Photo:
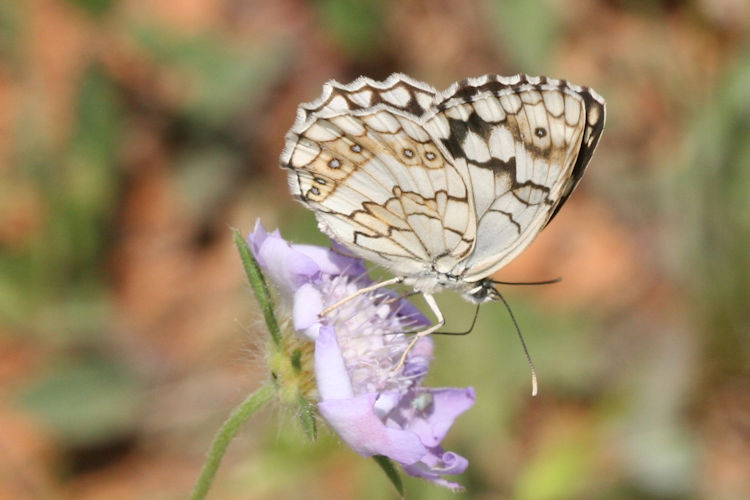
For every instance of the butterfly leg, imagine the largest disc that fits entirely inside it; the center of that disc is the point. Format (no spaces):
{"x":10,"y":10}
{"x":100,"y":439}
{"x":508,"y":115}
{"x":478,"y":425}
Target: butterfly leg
{"x":423,"y":333}
{"x":367,"y":289}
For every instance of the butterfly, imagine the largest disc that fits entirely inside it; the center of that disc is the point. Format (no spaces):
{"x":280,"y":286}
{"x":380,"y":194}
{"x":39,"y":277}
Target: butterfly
{"x":441,"y":188}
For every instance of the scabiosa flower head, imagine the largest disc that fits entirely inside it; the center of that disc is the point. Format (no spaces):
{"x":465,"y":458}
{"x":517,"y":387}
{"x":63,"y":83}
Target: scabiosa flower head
{"x":357,"y":346}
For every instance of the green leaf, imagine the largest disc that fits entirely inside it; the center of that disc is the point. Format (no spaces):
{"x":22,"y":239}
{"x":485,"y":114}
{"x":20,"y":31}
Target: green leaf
{"x":82,"y":210}
{"x":357,"y":25}
{"x":85,"y":402}
{"x":391,"y":472}
{"x":307,"y":417}
{"x":528,"y":30}
{"x":563,"y":468}
{"x":11,"y":35}
{"x":713,"y":206}
{"x":258,"y":283}
{"x":94,"y":7}
{"x":61,"y":265}
{"x":220,"y":78}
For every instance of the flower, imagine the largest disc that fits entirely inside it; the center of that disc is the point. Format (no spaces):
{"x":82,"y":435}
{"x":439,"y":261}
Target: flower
{"x":374,"y":408}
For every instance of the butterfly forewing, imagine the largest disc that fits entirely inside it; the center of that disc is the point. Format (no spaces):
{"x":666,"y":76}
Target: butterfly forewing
{"x":448,"y":185}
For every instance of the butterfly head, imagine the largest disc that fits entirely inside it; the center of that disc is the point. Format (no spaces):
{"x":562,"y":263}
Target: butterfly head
{"x":481,"y":292}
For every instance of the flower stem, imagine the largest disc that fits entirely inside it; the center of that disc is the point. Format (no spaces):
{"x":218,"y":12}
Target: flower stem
{"x":228,"y":430}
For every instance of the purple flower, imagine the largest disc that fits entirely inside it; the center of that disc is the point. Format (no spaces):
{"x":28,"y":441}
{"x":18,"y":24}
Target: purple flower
{"x":374,"y":409}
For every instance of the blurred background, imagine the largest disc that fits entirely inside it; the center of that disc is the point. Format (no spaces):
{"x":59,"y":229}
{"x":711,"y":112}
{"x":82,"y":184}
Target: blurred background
{"x":134,"y":135}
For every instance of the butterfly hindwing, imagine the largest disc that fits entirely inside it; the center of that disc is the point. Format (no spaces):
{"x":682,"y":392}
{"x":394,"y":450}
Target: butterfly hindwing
{"x":376,"y":180}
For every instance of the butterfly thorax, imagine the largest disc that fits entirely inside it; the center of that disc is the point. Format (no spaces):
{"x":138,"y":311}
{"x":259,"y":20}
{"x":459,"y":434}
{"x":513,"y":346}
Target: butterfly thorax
{"x":476,"y":292}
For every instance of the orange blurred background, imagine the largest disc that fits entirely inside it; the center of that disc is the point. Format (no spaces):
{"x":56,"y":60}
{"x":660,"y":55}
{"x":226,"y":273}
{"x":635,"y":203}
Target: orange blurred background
{"x":134,"y":135}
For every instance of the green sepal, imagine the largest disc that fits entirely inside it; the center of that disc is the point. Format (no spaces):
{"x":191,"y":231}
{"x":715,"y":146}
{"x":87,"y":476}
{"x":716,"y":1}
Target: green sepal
{"x":296,"y":360}
{"x":391,"y":472}
{"x":259,"y":285}
{"x":307,"y":417}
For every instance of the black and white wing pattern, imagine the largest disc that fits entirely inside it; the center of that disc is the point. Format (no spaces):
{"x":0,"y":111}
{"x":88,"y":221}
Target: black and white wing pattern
{"x":522,"y":144}
{"x":443,"y":189}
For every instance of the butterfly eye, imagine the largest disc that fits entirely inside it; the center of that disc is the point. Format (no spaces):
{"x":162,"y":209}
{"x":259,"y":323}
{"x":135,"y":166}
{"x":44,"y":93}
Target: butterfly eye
{"x":540,"y":132}
{"x":356,"y":148}
{"x":430,"y":155}
{"x":408,"y":153}
{"x":334,"y":163}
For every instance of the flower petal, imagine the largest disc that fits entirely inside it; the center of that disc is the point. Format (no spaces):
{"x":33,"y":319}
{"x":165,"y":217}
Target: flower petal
{"x":355,"y":421}
{"x":354,"y":418}
{"x":308,"y":302}
{"x":444,"y":463}
{"x":256,"y":239}
{"x":330,"y":370}
{"x":331,"y":262}
{"x":439,"y":461}
{"x":418,"y":360}
{"x":375,"y":410}
{"x":286,"y":267}
{"x":432,"y":424}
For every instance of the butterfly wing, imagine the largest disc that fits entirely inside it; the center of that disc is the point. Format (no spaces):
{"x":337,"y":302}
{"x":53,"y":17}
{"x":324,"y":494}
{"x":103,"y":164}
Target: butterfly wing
{"x":377,"y":181}
{"x":521,"y":144}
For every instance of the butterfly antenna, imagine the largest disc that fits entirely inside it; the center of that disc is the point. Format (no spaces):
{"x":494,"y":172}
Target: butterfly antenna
{"x":471,"y":327}
{"x":523,"y":344}
{"x":524,"y":283}
{"x":473,"y":321}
